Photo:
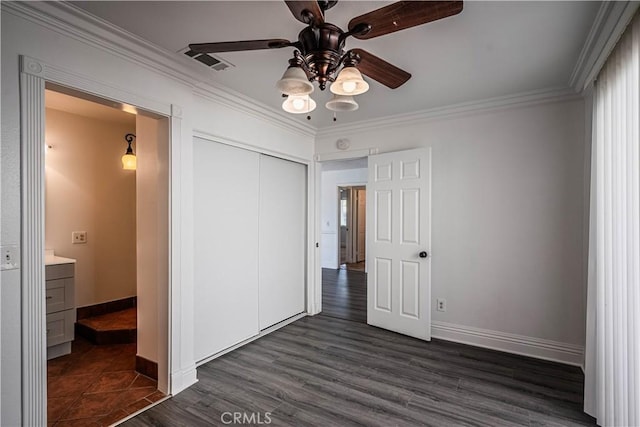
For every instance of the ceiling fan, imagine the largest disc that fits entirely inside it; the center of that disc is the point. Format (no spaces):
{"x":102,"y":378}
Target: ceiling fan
{"x":320,"y":50}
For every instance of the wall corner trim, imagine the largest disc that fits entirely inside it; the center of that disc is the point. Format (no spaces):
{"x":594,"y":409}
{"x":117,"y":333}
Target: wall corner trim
{"x":538,"y":348}
{"x":608,"y":26}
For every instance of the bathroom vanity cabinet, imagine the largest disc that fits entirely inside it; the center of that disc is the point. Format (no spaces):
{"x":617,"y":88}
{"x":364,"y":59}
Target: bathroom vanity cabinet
{"x":60,"y":305}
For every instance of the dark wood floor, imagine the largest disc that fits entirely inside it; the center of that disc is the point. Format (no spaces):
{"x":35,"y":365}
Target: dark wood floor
{"x":324,"y":371}
{"x":344,"y":294}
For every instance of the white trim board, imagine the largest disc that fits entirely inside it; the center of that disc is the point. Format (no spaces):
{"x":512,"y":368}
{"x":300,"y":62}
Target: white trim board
{"x":538,"y":348}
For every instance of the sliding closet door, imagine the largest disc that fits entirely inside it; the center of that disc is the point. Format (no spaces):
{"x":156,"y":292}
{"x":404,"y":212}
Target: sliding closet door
{"x":283,"y":214}
{"x":226,"y":246}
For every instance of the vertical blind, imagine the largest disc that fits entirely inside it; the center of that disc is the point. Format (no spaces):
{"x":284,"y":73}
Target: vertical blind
{"x":612,"y":362}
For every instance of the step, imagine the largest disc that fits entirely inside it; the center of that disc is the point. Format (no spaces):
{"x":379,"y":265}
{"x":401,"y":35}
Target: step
{"x":119,"y":327}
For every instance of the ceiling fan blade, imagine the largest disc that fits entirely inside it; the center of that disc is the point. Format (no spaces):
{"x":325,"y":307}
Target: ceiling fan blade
{"x":306,"y":11}
{"x":380,"y":70}
{"x":239,"y":45}
{"x":402,"y":15}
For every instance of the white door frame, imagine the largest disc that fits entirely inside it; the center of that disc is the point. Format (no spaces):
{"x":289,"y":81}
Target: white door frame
{"x":34,"y":74}
{"x":351,"y":217}
{"x":315,"y":305}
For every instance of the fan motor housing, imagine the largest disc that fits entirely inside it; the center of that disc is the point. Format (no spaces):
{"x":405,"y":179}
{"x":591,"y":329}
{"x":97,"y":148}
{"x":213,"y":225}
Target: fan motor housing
{"x":322,"y":47}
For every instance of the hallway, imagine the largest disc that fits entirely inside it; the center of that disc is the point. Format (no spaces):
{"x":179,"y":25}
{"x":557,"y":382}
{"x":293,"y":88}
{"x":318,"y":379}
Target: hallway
{"x":344,"y":294}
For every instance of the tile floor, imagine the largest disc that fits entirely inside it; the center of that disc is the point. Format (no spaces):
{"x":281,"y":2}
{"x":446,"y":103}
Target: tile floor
{"x":123,"y":319}
{"x":96,"y":385}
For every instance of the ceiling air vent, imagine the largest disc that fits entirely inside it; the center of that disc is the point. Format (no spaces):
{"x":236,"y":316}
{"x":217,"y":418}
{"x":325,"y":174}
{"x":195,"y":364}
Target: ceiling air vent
{"x":207,"y":59}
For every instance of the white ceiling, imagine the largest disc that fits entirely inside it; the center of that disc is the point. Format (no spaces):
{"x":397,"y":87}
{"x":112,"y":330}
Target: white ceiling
{"x":489,"y":50}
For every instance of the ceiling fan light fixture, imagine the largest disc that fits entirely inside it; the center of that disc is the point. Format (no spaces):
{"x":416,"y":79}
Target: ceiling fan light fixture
{"x":342,"y":103}
{"x":294,"y":81}
{"x":299,"y":104}
{"x":349,"y":82}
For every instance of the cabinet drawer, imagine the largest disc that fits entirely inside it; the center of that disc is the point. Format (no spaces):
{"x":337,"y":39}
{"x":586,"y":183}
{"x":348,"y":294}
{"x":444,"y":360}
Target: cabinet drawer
{"x":59,"y":295}
{"x":60,"y":327}
{"x":58,"y":271}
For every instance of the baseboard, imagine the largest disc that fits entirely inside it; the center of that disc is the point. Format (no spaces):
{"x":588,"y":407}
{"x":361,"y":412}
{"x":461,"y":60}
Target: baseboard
{"x":183,"y":379}
{"x":147,"y":367}
{"x":510,"y":343}
{"x":105,"y":307}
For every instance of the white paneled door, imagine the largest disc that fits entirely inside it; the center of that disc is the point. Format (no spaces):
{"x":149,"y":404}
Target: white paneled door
{"x":398,"y":242}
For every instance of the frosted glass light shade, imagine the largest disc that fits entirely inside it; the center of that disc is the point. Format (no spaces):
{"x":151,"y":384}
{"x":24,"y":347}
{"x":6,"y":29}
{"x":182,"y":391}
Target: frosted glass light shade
{"x":294,"y":81}
{"x":298,"y":104}
{"x":129,"y":162}
{"x":342,"y":103}
{"x":349,"y":82}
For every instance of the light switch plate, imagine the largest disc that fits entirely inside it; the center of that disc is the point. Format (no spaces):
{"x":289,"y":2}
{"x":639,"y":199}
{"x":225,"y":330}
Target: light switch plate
{"x":10,"y":257}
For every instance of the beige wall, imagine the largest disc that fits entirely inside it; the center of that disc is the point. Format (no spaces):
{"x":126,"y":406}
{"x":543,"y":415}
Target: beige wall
{"x":87,"y":190}
{"x":152,"y":233}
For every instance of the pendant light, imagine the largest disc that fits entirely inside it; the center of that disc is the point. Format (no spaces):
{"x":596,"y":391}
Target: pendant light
{"x":129,"y":161}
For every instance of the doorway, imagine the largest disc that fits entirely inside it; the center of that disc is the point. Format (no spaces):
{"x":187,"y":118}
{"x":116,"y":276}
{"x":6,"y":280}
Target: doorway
{"x":353,"y":223}
{"x":343,"y":211}
{"x":107,"y":326}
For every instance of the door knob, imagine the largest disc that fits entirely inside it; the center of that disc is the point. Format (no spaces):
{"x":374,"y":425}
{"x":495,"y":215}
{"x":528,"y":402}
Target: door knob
{"x":423,"y":254}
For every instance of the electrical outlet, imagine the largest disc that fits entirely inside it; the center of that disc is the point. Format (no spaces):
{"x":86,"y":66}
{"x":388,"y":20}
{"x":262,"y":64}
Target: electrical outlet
{"x":441,"y":304}
{"x":10,"y":257}
{"x":78,"y":237}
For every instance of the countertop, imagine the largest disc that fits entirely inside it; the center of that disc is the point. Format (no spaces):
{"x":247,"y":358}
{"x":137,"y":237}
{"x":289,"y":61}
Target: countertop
{"x":51,"y":259}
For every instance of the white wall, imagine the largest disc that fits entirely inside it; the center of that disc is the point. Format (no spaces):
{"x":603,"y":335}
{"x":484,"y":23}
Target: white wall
{"x":329,"y":215}
{"x":105,"y":59}
{"x":87,"y":190}
{"x":507,"y":215}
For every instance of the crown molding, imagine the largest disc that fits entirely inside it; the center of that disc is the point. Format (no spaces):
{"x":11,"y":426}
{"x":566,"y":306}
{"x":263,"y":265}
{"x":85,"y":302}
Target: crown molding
{"x":457,"y":110}
{"x":71,"y":21}
{"x":244,"y":104}
{"x":608,"y":26}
